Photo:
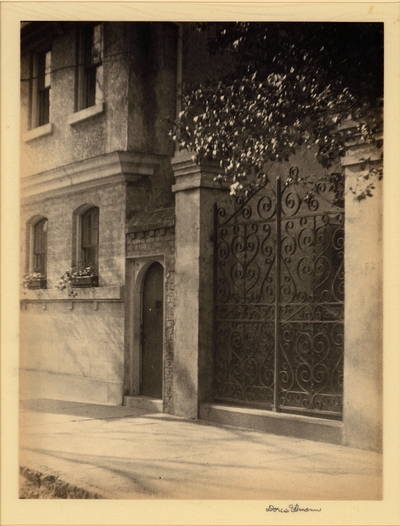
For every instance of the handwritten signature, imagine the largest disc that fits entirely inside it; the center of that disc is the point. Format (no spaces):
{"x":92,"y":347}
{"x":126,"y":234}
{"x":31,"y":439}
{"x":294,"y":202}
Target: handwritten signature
{"x":292,"y":508}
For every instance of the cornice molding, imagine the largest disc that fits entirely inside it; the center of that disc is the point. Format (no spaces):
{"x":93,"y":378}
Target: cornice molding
{"x":113,"y":292}
{"x":91,"y":173}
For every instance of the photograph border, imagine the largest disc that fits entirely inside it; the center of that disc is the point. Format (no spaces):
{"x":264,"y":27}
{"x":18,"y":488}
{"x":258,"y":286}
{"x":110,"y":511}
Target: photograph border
{"x":16,"y":511}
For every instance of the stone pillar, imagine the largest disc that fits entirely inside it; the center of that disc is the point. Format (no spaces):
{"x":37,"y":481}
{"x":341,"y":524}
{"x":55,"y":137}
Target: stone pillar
{"x":195,"y":196}
{"x":363,"y":397}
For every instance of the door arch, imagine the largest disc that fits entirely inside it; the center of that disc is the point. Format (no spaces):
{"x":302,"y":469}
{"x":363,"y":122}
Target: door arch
{"x":152,"y":331}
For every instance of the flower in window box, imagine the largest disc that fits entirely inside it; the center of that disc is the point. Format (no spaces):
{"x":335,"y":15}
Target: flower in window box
{"x":78,"y":276}
{"x":34,"y":281}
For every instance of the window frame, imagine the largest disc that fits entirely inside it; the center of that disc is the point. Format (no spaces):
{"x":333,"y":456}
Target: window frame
{"x":89,"y":79}
{"x":77,"y":224}
{"x":88,"y":247}
{"x":41,"y":88}
{"x":32,"y":239}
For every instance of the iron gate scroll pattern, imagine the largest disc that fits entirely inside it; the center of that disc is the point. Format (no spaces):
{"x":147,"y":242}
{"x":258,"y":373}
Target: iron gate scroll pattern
{"x":279,"y":304}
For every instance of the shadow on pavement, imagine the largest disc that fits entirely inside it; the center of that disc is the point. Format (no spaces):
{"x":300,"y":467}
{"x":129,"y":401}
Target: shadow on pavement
{"x":79,"y":409}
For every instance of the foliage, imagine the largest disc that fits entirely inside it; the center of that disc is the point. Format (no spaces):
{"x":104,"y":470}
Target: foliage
{"x":366,"y":181}
{"x":76,"y":271}
{"x":292,"y":86}
{"x":30,"y":278}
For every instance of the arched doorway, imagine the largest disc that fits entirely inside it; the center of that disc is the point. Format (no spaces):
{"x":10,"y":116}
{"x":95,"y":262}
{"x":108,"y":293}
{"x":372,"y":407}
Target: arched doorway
{"x":152,"y":331}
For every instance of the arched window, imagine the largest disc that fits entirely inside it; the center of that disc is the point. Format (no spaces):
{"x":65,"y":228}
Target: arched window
{"x":39,"y":252}
{"x":90,"y":237}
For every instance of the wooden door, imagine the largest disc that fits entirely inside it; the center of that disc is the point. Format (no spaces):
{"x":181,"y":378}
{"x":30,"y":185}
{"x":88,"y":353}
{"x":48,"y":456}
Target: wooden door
{"x":152,"y":331}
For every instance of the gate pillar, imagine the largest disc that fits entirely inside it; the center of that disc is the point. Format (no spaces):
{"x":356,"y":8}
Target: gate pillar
{"x":195,"y":196}
{"x":363,"y":360}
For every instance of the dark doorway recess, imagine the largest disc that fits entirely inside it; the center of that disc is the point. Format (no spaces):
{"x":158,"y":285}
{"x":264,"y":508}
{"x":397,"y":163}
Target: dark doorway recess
{"x":152,"y":331}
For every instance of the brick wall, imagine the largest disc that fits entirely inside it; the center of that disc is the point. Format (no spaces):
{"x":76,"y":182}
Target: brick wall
{"x":59,"y":211}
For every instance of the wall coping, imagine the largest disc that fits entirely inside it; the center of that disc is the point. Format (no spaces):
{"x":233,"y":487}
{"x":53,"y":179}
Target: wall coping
{"x":152,"y":220}
{"x":357,"y":150}
{"x":189,"y":175}
{"x":361,"y":153}
{"x":104,"y":169}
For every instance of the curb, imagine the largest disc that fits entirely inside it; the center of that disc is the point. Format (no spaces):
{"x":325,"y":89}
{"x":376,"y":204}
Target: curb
{"x":59,"y":488}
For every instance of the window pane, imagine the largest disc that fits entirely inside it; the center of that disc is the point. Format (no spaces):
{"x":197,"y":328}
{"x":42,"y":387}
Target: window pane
{"x":94,"y":237}
{"x":99,"y":85}
{"x":47,"y":69}
{"x":90,"y":256}
{"x":90,"y":237}
{"x":43,"y":107}
{"x":93,"y":42}
{"x":40,"y":247}
{"x":86,"y":237}
{"x":90,"y":86}
{"x":86,"y":219}
{"x":97,"y":44}
{"x":43,"y":88}
{"x":94,"y":218}
{"x":44,"y":70}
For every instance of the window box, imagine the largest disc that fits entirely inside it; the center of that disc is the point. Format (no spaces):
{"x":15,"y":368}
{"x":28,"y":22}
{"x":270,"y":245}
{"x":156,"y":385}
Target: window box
{"x":85,"y":281}
{"x":78,"y":276}
{"x":37,"y":283}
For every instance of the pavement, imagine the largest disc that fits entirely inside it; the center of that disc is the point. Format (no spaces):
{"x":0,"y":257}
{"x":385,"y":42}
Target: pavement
{"x":130,"y":453}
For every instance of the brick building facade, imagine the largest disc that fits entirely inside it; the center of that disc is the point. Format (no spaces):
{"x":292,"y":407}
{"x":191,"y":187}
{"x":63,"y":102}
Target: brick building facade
{"x":103,"y":188}
{"x":91,"y":141}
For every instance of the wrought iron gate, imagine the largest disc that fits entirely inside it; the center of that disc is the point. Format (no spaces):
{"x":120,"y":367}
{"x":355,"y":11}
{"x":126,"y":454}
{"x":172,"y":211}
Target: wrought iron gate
{"x":279,"y":301}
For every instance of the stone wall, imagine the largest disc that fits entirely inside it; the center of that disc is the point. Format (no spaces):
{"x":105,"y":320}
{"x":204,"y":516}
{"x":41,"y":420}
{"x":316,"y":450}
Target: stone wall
{"x":363,"y":357}
{"x":152,"y":86}
{"x":115,"y":156}
{"x":103,"y":132}
{"x":72,"y":350}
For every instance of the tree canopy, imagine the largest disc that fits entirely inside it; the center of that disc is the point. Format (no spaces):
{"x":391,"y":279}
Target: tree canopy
{"x":292,"y":85}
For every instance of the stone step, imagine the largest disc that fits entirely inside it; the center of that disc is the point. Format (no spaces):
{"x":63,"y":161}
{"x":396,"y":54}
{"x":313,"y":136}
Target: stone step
{"x":305,"y":427}
{"x":144,"y":402}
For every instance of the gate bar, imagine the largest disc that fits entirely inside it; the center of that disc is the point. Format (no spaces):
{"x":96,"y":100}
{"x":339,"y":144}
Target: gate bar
{"x":277,"y":291}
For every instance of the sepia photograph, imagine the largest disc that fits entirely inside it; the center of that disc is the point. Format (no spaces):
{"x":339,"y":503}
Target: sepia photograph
{"x":201,"y":261}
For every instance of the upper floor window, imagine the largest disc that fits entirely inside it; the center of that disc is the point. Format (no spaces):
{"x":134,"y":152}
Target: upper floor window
{"x":90,"y":237}
{"x":39,"y":255}
{"x":90,"y":71}
{"x":41,"y":89}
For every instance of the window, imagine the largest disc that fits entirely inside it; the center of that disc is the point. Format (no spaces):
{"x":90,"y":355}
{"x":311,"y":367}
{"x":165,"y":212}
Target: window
{"x":39,"y":256}
{"x":41,"y":89}
{"x":90,"y":237}
{"x":90,"y":70}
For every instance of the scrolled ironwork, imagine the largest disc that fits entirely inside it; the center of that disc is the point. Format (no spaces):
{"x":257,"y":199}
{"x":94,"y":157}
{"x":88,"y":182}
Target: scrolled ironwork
{"x":280,"y":300}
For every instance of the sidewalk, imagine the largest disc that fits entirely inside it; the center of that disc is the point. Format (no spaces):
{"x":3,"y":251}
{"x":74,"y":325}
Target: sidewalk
{"x":126,"y":453}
